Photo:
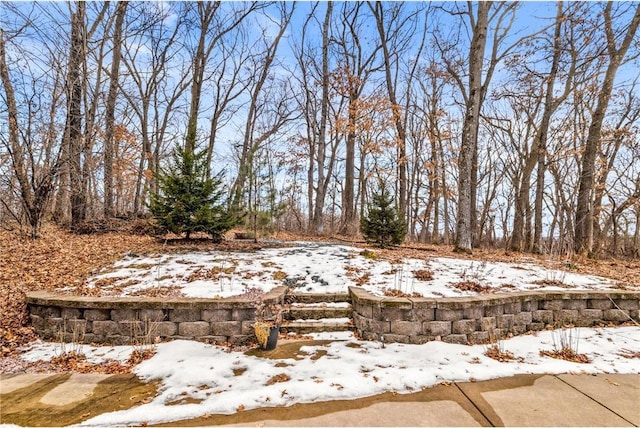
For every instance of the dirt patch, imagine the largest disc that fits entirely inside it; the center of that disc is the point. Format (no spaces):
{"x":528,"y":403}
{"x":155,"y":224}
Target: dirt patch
{"x":119,"y":392}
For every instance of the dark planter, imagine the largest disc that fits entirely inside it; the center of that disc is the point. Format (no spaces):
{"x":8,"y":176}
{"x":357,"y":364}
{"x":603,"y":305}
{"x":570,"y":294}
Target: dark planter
{"x":272,"y":341}
{"x":267,"y":335}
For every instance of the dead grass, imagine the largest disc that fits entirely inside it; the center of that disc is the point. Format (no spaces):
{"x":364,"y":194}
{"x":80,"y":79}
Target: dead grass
{"x":567,"y":355}
{"x":496,"y":352}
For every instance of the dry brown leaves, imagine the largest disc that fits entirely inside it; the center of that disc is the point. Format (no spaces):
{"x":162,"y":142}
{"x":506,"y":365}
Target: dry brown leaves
{"x":398,"y":293}
{"x":566,"y":354}
{"x":552,"y":283}
{"x":498,"y":354}
{"x":281,"y":377}
{"x":61,"y":259}
{"x":471,"y":286}
{"x":423,"y":275}
{"x":627,"y":353}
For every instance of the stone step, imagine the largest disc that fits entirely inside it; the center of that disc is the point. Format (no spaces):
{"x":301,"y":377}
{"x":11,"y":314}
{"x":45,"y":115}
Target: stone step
{"x":319,"y":298}
{"x":317,"y":312}
{"x":316,"y":326}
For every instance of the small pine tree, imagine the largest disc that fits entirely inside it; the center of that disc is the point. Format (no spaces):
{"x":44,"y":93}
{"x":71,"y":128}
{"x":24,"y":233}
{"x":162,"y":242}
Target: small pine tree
{"x":188,"y":201}
{"x":382,"y":226}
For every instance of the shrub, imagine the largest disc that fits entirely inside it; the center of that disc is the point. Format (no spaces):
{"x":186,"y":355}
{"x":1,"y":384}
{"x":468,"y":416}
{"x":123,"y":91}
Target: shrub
{"x":188,"y":200}
{"x":382,"y":226}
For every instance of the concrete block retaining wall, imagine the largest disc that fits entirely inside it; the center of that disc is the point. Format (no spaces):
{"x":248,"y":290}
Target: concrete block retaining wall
{"x":478,"y":319}
{"x":124,"y":321}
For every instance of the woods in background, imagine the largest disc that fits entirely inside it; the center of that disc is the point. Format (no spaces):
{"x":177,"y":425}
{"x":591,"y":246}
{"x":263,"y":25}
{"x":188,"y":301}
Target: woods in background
{"x":497,"y":124}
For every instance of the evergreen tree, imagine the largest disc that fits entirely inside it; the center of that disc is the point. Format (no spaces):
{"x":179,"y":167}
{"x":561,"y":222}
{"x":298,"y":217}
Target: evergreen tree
{"x":382,"y":225}
{"x":188,"y":200}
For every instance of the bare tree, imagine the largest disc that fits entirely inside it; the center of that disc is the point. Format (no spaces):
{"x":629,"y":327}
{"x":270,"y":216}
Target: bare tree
{"x":584,"y":210}
{"x":121,"y":9}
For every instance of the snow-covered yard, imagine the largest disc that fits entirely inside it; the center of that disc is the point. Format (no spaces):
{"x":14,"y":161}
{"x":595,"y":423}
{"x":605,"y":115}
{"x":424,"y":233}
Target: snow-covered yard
{"x":327,"y":268}
{"x":198,"y":379}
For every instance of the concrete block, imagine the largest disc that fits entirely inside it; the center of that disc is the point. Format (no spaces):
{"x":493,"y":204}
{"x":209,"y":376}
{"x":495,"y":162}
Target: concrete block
{"x":394,"y":314}
{"x":523,"y":318}
{"x":420,"y":339}
{"x":163,"y":328}
{"x":588,"y":317}
{"x":617,"y":315}
{"x":449,"y":314}
{"x":436,"y":328}
{"x":226,"y":328}
{"x":216,"y":315}
{"x":493,"y":310}
{"x":154,"y":315}
{"x":194,"y":329}
{"x":76,"y":327}
{"x":242,"y":314}
{"x":406,"y":328}
{"x":529,"y":305}
{"x":512,"y":308}
{"x":543,"y":316}
{"x":423,"y":314}
{"x":53,"y":325}
{"x":478,"y":337}
{"x":45,"y":311}
{"x":97,"y":314}
{"x":537,"y":326}
{"x":627,"y":304}
{"x":552,"y":305}
{"x":460,"y":339}
{"x":463,"y":326}
{"x":124,"y":315}
{"x":599,"y":304}
{"x":184,"y":315}
{"x":473,"y":313}
{"x":505,"y":321}
{"x":70,"y":313}
{"x":566,"y":316}
{"x":575,"y":304}
{"x":487,"y":323}
{"x":131,"y":328}
{"x":364,"y":309}
{"x":106,"y":328}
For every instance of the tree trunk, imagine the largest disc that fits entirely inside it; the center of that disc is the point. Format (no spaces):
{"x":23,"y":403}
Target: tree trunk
{"x":110,"y":110}
{"x":469,"y":146}
{"x":74,"y":116}
{"x":584,"y":210}
{"x":318,"y":214}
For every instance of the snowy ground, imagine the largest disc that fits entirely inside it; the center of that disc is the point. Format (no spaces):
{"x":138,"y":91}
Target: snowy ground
{"x":326,"y":268}
{"x":198,"y":379}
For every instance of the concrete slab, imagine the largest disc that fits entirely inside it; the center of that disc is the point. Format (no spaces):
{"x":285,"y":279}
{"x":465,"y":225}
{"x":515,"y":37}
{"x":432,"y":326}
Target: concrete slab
{"x":432,"y":414}
{"x":619,"y":393}
{"x":78,"y":387}
{"x":548,"y":401}
{"x":10,"y":383}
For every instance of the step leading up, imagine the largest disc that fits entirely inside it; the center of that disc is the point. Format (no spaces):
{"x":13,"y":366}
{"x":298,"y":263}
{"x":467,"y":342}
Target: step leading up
{"x":317,"y":313}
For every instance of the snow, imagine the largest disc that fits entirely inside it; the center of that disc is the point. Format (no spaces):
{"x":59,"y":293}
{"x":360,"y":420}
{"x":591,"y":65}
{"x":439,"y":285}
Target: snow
{"x":197,"y":379}
{"x":326,"y":268}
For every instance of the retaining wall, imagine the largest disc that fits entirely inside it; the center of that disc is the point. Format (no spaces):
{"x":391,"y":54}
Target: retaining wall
{"x":477,"y":319}
{"x":127,"y":320}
